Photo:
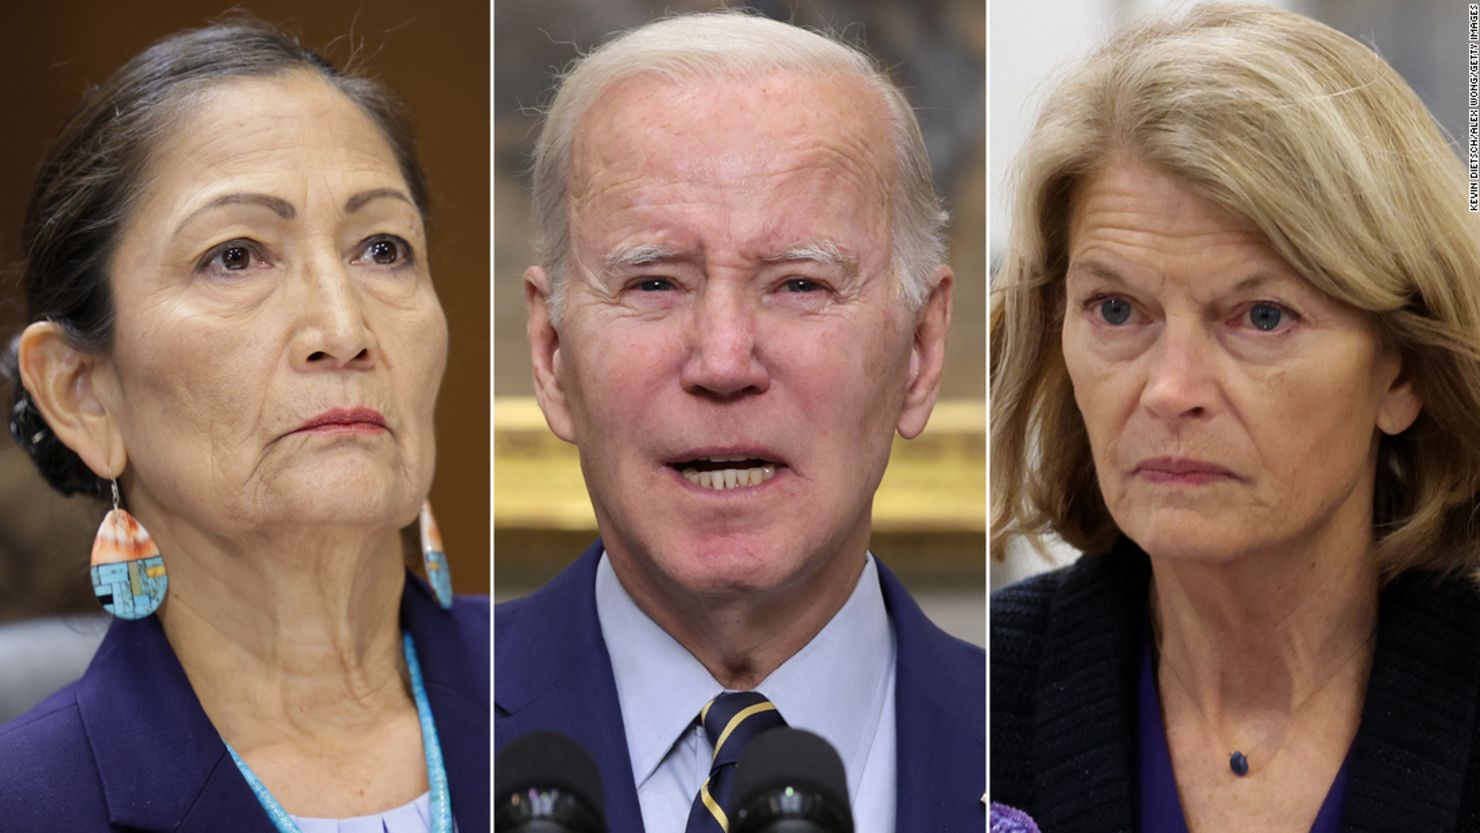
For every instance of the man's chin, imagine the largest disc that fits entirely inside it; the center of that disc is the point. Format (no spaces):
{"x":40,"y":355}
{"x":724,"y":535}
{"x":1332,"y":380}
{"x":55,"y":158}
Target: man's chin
{"x":725,"y":570}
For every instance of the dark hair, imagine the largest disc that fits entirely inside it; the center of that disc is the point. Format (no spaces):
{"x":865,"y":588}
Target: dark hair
{"x":93,"y":173}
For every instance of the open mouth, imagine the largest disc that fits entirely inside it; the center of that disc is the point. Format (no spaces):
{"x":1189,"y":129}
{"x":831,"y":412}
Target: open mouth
{"x":719,"y":473}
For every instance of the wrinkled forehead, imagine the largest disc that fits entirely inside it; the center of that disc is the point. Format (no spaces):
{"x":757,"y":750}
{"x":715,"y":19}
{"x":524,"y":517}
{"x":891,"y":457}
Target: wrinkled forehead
{"x":654,"y":129}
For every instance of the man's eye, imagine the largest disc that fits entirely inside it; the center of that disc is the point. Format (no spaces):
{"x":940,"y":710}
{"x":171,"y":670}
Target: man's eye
{"x":655,"y":285}
{"x":801,"y":285}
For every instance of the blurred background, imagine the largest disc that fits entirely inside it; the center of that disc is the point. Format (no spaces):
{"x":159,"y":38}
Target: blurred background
{"x":929,"y":516}
{"x":434,"y":54}
{"x":1031,"y":45}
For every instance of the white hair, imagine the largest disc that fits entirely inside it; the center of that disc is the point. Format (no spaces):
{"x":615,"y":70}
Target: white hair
{"x":735,"y":45}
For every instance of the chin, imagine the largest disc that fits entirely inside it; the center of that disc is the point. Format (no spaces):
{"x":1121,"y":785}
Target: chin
{"x":354,"y":496}
{"x":1193,"y":542}
{"x":728,"y":566}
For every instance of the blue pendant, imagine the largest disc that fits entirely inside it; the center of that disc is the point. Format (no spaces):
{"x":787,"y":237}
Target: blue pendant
{"x":1238,"y":763}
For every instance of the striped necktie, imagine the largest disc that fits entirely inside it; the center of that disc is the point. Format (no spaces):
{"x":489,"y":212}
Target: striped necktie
{"x":730,"y":720}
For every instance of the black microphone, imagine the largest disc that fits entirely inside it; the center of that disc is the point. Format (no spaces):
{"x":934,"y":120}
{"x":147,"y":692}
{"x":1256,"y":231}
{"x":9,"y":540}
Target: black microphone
{"x":544,"y":782}
{"x":790,"y":781}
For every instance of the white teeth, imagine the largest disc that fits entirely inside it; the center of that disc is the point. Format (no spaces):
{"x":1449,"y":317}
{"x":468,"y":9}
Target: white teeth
{"x":730,"y":478}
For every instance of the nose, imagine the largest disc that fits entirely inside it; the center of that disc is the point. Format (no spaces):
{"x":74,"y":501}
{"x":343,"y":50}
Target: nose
{"x":332,"y":333}
{"x":723,"y":362}
{"x":1182,"y":374}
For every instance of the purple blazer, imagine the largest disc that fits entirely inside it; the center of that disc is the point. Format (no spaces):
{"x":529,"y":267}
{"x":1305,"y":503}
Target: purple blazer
{"x":554,"y":673}
{"x":129,"y":747}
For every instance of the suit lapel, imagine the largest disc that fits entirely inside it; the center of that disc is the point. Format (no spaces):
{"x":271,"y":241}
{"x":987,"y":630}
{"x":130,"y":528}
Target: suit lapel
{"x":554,"y":674}
{"x":452,"y":649}
{"x":940,"y":705}
{"x":164,"y":768}
{"x":157,"y":753}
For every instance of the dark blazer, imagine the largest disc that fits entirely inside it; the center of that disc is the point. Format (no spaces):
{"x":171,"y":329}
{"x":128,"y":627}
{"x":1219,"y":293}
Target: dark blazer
{"x":553,"y":673}
{"x":1065,"y":658}
{"x":128,"y":746}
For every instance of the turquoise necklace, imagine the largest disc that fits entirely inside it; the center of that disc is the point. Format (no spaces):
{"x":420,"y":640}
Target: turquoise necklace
{"x":436,"y":772}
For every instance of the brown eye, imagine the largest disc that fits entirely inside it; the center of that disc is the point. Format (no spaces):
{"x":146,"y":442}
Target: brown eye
{"x":236,"y":258}
{"x":385,"y":251}
{"x":232,"y":256}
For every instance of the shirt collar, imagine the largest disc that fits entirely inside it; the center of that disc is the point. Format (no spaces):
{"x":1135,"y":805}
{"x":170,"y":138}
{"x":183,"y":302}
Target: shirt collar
{"x":836,"y":685}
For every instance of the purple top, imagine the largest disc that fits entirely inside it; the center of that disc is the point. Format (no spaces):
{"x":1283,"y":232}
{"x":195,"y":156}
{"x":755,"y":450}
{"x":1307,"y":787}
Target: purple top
{"x":1161,"y":807}
{"x":1007,"y":819}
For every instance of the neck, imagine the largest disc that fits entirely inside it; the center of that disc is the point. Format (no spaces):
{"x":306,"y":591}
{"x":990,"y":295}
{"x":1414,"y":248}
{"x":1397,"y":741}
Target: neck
{"x":1256,"y":638}
{"x":288,"y":636}
{"x":742,"y":638}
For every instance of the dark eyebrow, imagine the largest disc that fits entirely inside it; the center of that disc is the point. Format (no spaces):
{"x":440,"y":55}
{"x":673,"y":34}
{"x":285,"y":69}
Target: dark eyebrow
{"x":277,"y":205}
{"x":358,"y":201}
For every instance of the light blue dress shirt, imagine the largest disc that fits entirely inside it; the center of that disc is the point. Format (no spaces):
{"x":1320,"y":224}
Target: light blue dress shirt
{"x":413,"y":817}
{"x":840,"y":685}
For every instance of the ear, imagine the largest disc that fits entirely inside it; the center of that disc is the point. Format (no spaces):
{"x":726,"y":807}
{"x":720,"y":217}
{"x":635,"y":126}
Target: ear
{"x":544,"y":349}
{"x":69,"y":387}
{"x":927,"y":357}
{"x":1400,"y":404}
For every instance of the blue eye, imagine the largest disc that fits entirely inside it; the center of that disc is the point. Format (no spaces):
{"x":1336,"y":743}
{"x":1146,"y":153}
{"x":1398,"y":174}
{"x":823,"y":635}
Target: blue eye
{"x":1265,"y":316}
{"x":1115,"y":311}
{"x":655,"y":285}
{"x":801,"y":285}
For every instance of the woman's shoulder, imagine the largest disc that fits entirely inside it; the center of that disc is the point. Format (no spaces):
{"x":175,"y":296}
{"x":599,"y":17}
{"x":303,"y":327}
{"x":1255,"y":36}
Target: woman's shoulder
{"x":1022,"y":611}
{"x":48,"y":777}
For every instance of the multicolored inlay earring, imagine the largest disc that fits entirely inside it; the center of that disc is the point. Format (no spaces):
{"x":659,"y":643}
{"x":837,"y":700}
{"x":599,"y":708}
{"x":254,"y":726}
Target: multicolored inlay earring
{"x":127,"y":570}
{"x":434,"y":558}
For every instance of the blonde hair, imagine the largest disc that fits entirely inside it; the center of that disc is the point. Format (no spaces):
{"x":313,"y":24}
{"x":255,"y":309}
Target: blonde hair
{"x":735,"y":45}
{"x":1319,"y":144}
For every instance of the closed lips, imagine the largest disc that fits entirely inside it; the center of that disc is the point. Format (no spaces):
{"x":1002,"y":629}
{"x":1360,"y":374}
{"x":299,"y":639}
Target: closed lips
{"x":345,"y":417}
{"x":1173,"y":466}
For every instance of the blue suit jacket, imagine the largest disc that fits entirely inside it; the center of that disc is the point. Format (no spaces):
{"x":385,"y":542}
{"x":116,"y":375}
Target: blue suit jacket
{"x":552,"y":672}
{"x":129,"y":747}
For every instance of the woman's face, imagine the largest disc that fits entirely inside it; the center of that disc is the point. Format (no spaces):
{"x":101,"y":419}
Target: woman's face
{"x":1231,"y":406}
{"x":279,"y":344}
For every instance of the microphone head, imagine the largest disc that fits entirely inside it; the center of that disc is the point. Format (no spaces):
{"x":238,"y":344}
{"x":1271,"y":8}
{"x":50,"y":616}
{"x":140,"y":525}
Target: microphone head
{"x":788,"y":777}
{"x":546,"y":781}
